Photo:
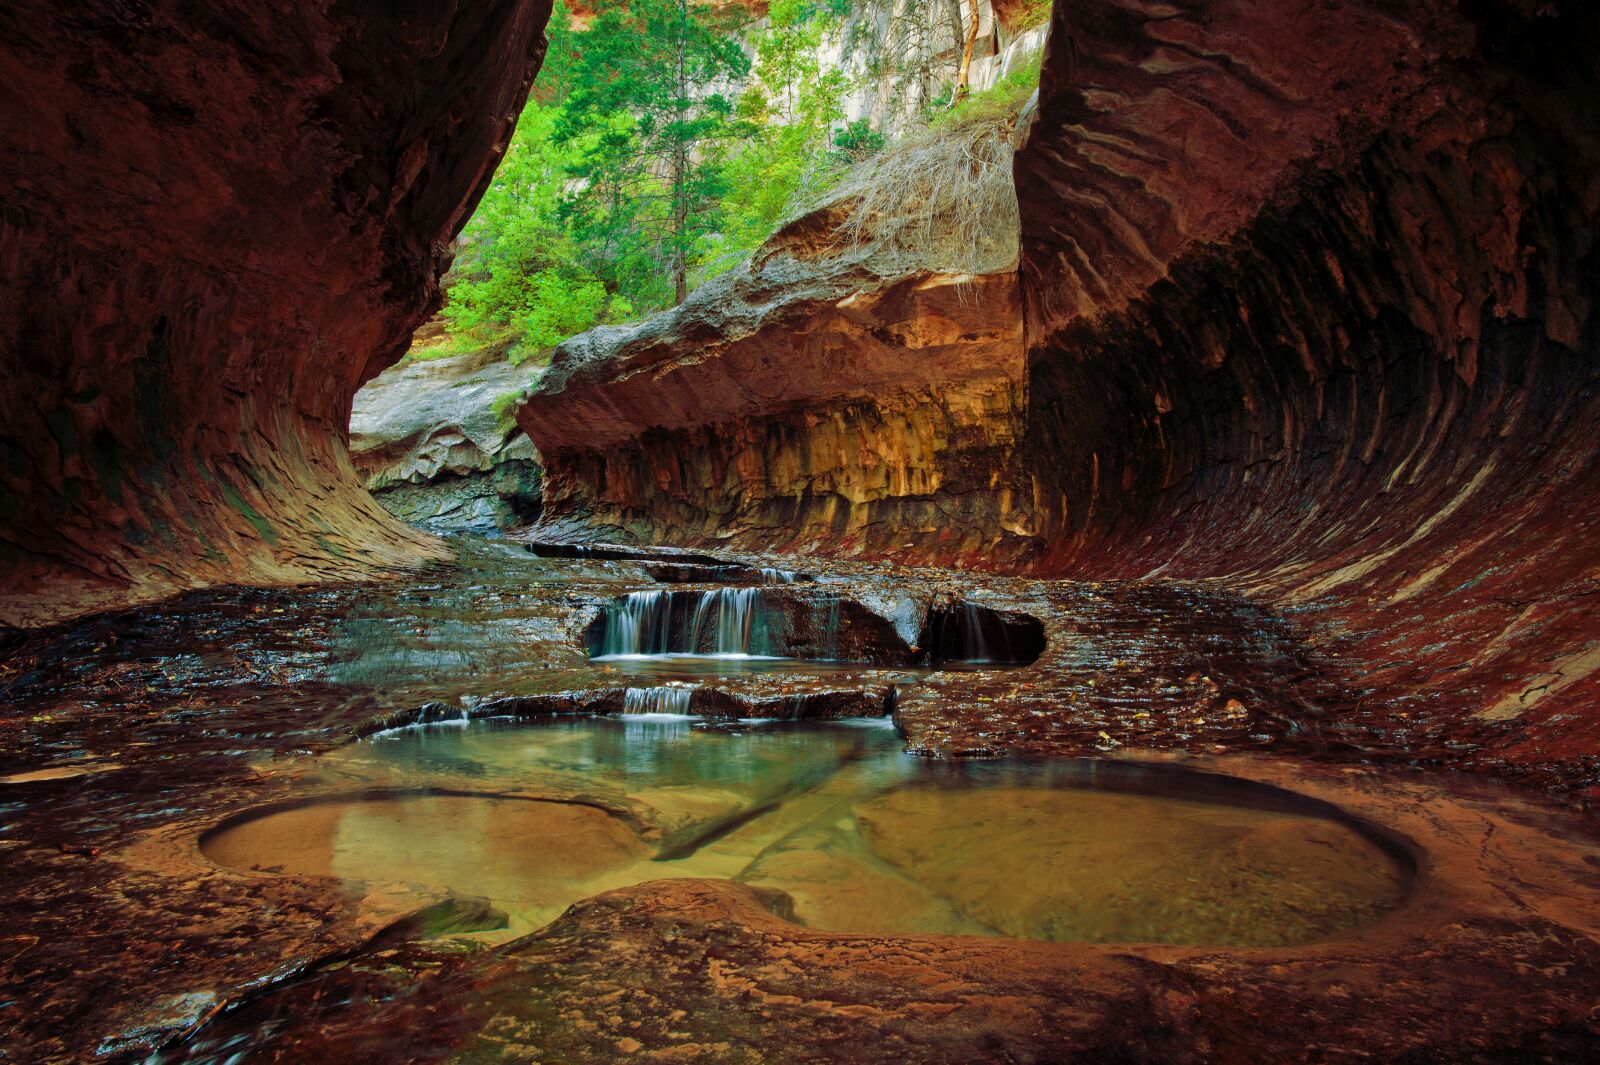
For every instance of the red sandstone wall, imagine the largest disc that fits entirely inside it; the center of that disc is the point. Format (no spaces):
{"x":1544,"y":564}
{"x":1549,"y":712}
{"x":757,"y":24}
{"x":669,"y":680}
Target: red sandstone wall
{"x":216,"y":222}
{"x":850,"y":415}
{"x":1311,"y":301}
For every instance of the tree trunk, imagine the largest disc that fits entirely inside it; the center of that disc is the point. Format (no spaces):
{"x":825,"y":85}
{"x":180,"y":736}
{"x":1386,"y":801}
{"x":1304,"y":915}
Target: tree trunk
{"x":964,"y":73}
{"x":680,"y":225}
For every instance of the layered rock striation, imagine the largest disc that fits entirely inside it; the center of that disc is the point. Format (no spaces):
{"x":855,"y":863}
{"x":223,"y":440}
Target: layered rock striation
{"x":216,"y":225}
{"x":436,"y":445}
{"x":1311,"y":299}
{"x":858,"y":388}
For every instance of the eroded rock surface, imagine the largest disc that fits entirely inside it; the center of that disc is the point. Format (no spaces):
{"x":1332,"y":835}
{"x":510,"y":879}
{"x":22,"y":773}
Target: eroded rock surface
{"x":434,"y":441}
{"x":218,"y":223}
{"x":1311,"y":300}
{"x":846,"y":392}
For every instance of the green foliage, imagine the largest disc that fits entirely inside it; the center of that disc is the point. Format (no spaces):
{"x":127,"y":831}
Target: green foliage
{"x":504,"y":409}
{"x":1033,"y":13}
{"x":651,"y":139}
{"x":1003,"y":97}
{"x":791,"y":107}
{"x":447,"y":346}
{"x":858,"y":141}
{"x":654,"y":152}
{"x":519,"y":271}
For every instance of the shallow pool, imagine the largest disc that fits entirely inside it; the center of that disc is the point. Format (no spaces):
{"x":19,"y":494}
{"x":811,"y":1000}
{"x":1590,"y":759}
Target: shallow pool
{"x":848,"y":832}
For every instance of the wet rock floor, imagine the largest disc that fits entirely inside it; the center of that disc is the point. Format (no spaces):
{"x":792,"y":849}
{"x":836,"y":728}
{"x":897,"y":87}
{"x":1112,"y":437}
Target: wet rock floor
{"x":125,"y":737}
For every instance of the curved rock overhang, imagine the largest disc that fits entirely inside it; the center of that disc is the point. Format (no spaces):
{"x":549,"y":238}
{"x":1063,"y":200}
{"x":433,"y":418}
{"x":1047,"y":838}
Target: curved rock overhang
{"x":1310,"y":294}
{"x":218,"y":222}
{"x":835,"y":411}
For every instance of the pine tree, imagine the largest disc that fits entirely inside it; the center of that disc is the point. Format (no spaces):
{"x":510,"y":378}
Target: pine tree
{"x":646,"y":99}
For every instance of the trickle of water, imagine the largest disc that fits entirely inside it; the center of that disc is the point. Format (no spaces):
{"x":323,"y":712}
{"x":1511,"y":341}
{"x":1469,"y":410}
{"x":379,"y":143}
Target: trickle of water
{"x":970,"y":633}
{"x":830,"y":629}
{"x":776,"y":576}
{"x":974,"y":647}
{"x":669,"y":699}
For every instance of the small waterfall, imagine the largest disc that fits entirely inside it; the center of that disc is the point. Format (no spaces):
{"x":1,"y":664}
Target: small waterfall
{"x":776,"y":576}
{"x":830,"y":629}
{"x":974,"y":648}
{"x":734,"y":609}
{"x":664,"y":700}
{"x":640,"y":624}
{"x":664,"y":623}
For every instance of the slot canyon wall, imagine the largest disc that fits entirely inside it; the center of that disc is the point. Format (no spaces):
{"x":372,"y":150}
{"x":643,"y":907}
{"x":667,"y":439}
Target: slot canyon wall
{"x":1310,"y":295}
{"x":216,"y":223}
{"x":803,"y":407}
{"x":1307,"y":298}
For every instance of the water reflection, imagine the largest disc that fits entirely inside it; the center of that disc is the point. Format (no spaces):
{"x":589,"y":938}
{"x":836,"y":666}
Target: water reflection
{"x":861,"y":836}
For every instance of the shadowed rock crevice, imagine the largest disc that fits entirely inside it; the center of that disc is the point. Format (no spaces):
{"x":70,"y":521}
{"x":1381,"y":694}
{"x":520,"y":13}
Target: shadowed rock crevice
{"x":962,"y":631}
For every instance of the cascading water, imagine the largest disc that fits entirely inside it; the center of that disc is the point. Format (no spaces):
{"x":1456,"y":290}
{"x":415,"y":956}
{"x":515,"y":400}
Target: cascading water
{"x":974,"y":645}
{"x":663,"y":700}
{"x":640,"y":624}
{"x":734,"y":609}
{"x":776,"y":576}
{"x":681,"y":623}
{"x":830,"y":629}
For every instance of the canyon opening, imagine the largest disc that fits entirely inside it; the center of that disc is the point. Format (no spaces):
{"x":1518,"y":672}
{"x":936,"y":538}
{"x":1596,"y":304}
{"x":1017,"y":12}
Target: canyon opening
{"x":778,"y":531}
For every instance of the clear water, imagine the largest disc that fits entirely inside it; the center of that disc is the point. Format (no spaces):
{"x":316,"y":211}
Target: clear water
{"x":860,"y":836}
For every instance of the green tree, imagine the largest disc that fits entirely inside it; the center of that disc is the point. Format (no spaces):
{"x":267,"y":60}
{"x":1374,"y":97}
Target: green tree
{"x":632,"y":173}
{"x":791,"y":107}
{"x":644,"y":103}
{"x":518,"y":271}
